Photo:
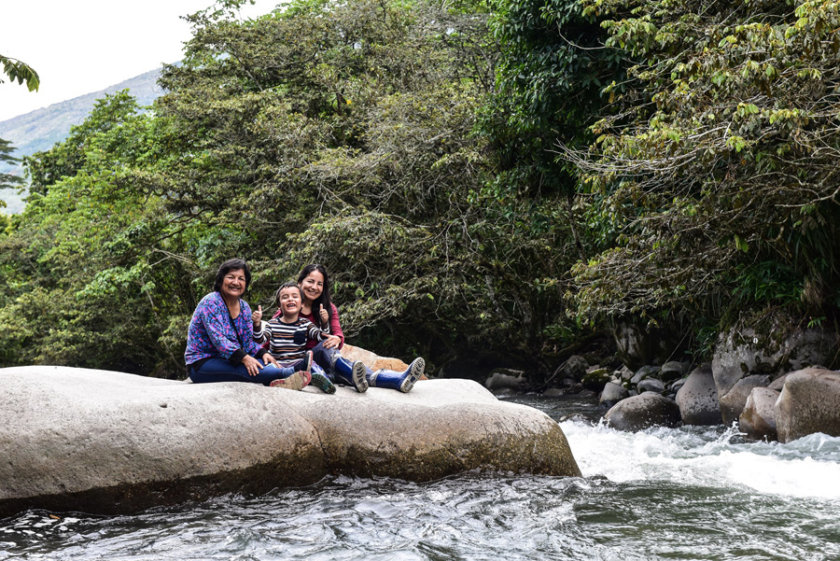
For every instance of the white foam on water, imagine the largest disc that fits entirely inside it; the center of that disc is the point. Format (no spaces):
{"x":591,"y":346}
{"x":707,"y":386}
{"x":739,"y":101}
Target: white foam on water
{"x":808,"y":467}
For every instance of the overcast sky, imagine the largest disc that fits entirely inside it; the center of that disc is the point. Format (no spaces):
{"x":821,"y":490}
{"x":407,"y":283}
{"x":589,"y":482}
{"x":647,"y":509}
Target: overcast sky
{"x":83,"y":46}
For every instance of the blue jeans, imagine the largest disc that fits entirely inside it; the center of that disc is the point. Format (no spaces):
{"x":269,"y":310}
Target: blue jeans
{"x":222,"y":370}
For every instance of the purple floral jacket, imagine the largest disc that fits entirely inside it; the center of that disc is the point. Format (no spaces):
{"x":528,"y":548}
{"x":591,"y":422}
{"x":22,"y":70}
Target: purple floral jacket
{"x":212,"y":334}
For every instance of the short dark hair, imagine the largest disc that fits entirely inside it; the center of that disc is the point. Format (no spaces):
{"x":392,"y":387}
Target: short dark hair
{"x":289,"y":284}
{"x":234,"y":264}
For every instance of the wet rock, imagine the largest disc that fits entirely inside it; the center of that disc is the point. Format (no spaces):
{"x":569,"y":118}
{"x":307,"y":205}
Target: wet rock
{"x":612,"y":394}
{"x":732,"y":404}
{"x":595,"y":378}
{"x":643,"y":411}
{"x":644,"y":372}
{"x":698,"y":399}
{"x":502,"y":379}
{"x":573,"y":367}
{"x":768,"y":346}
{"x":650,"y":385}
{"x":809,"y":403}
{"x":97,"y":441}
{"x":624,"y":374}
{"x":673,"y":370}
{"x":758,"y":420}
{"x":637,"y":345}
{"x":676,"y":385}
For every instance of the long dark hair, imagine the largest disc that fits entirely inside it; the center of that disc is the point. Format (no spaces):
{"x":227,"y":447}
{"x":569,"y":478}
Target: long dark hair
{"x":324,"y":298}
{"x":232,"y":265}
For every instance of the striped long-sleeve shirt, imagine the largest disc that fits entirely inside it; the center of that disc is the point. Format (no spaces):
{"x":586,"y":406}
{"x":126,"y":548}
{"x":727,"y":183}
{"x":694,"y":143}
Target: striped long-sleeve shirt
{"x":287,"y":341}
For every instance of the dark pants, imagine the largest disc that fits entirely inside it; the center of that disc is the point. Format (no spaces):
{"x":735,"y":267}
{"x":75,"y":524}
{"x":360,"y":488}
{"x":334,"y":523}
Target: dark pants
{"x":222,"y":370}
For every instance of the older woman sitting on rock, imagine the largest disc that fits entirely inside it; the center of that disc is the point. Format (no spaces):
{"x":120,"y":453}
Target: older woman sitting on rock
{"x":220,"y":343}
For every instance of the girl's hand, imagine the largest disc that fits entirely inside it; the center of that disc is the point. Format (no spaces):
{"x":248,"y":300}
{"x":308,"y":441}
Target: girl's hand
{"x":252,"y":365}
{"x":256,"y":317}
{"x":268,"y":359}
{"x":325,"y":317}
{"x":332,"y":341}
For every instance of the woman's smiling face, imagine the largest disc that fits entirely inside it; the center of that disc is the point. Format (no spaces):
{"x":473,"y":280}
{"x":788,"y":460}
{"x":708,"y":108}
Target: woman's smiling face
{"x":234,"y":283}
{"x":312,"y":286}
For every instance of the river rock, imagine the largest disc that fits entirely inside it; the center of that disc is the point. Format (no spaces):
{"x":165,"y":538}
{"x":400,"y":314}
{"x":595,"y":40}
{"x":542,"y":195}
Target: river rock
{"x":758,"y":420}
{"x":573,"y":367}
{"x":99,"y":441}
{"x":643,"y":411}
{"x":506,"y":379}
{"x":768,"y":346}
{"x":673,"y":370}
{"x":809,"y":403}
{"x":650,"y":385}
{"x":732,"y":404}
{"x":612,"y":394}
{"x":637,"y":344}
{"x":698,"y":398}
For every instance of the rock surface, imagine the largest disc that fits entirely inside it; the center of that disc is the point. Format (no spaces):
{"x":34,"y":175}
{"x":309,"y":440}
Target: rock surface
{"x":97,"y":441}
{"x":732,"y":404}
{"x":373,"y":360}
{"x":809,"y":403}
{"x":758,"y":420}
{"x":698,"y":398}
{"x":643,"y":411}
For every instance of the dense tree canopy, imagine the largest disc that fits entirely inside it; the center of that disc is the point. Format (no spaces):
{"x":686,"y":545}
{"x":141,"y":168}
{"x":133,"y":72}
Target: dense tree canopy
{"x":482,"y":179}
{"x":719,"y":160}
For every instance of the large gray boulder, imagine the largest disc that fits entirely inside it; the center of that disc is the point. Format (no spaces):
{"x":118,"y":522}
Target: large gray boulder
{"x":809,"y":403}
{"x":758,"y":419}
{"x":643,"y":411}
{"x":733,"y":402}
{"x":698,"y":398}
{"x":771,"y":346}
{"x":102,"y":441}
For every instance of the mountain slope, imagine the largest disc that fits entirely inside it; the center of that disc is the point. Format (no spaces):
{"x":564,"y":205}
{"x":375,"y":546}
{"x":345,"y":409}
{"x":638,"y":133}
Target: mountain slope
{"x":40,"y":129}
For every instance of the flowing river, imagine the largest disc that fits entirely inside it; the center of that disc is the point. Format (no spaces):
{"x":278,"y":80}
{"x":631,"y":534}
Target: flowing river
{"x":670,"y":494}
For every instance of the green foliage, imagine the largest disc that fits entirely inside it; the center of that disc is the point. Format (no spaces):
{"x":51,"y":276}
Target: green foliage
{"x":20,"y":72}
{"x":7,"y":180}
{"x":89,"y":264}
{"x":718,"y":160}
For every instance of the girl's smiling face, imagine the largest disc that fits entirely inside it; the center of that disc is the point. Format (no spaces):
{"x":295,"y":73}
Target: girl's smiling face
{"x":289,"y":301}
{"x":312,"y":286}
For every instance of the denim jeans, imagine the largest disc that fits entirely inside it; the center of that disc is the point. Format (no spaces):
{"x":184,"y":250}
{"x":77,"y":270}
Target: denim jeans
{"x":222,"y":370}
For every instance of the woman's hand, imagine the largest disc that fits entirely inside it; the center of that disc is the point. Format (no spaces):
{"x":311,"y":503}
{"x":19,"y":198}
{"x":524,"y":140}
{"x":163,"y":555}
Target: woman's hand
{"x":252,"y":365}
{"x":331,"y":341}
{"x":256,"y":317}
{"x":268,"y":359}
{"x":325,"y":317}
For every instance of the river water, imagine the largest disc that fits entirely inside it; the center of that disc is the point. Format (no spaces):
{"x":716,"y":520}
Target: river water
{"x":669,"y":494}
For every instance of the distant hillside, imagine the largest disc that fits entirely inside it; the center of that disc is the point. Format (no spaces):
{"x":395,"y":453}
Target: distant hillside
{"x":40,"y":129}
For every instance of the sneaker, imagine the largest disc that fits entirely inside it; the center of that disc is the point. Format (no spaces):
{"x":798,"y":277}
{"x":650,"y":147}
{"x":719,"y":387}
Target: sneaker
{"x":296,"y":381}
{"x":415,"y":372}
{"x":359,"y":378}
{"x":323,"y":383}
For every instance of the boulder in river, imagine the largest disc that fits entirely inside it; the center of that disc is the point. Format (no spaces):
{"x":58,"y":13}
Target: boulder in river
{"x":758,"y":420}
{"x":809,"y":403}
{"x":698,"y":398}
{"x":643,"y":411}
{"x":99,"y":441}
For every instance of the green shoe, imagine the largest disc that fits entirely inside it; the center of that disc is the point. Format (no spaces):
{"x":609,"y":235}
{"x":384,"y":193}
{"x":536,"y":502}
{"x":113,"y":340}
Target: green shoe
{"x":322,"y":382}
